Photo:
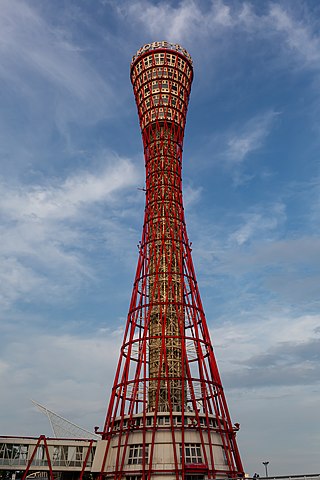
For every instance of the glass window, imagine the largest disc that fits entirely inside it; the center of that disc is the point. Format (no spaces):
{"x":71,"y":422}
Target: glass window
{"x":136,"y":454}
{"x":192,"y":453}
{"x":224,"y":456}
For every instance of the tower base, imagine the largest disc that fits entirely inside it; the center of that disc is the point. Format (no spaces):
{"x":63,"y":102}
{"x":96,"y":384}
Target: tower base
{"x":170,"y":442}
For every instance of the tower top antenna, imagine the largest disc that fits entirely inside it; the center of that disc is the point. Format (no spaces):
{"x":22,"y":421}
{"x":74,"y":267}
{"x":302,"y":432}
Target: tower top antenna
{"x":161,"y":46}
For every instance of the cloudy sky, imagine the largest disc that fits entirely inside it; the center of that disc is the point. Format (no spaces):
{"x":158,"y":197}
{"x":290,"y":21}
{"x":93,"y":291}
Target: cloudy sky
{"x":71,"y":207}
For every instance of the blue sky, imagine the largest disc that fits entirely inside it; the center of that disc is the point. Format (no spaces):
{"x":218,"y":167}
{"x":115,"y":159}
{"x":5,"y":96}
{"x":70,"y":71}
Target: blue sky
{"x":71,"y":209}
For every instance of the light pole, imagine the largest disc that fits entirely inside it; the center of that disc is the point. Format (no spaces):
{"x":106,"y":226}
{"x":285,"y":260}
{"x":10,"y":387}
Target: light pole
{"x":266,"y":467}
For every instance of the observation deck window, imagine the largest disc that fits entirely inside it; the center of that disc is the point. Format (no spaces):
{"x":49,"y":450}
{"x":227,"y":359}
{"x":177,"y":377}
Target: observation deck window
{"x":182,"y":92}
{"x":148,"y":61}
{"x":155,"y":86}
{"x":171,"y":59}
{"x":147,"y":75}
{"x":163,"y":72}
{"x":159,"y":58}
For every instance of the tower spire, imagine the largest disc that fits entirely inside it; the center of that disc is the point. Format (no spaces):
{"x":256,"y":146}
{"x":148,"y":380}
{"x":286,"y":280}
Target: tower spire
{"x":167,"y":414}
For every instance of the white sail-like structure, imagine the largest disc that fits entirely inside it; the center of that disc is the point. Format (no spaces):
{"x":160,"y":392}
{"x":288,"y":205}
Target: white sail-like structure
{"x":63,"y":428}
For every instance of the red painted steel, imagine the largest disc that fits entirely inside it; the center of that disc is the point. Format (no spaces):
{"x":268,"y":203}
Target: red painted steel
{"x":42,"y":438}
{"x":86,"y":460}
{"x":167,"y":365}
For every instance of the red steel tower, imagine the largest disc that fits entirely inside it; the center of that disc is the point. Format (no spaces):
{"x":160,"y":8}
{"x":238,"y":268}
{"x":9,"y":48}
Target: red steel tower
{"x":167,"y":417}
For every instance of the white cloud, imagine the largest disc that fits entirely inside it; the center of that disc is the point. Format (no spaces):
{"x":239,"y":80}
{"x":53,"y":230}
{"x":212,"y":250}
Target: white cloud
{"x":229,"y":241}
{"x":44,"y":230}
{"x":301,"y":252}
{"x":65,"y":200}
{"x":240,"y":142}
{"x":249,"y":137}
{"x":254,"y":338}
{"x":259,"y":223}
{"x":298,"y":35}
{"x":69,"y":368}
{"x":193,"y":23}
{"x":191,"y":195}
{"x":28,"y":40}
{"x":186,"y":22}
{"x":42,"y":66}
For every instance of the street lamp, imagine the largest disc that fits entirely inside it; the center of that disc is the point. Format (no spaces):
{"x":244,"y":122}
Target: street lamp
{"x":266,"y":467}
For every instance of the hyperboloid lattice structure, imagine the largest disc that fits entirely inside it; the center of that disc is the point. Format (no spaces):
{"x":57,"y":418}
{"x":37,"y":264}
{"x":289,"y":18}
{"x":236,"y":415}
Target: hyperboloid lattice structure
{"x":167,"y":417}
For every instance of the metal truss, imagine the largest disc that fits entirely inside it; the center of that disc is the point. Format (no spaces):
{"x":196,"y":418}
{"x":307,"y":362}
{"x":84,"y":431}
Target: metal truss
{"x":167,"y":381}
{"x":63,"y":428}
{"x":47,"y":456}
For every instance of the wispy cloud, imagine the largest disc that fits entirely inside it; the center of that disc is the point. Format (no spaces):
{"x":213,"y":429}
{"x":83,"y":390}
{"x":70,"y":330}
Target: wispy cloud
{"x":28,"y":42}
{"x":242,"y":142}
{"x":64,"y":200}
{"x":249,"y":137}
{"x":191,"y":195}
{"x":191,"y":21}
{"x":276,"y":350}
{"x":259,"y":224}
{"x":45,"y":228}
{"x":37,"y":59}
{"x":66,"y":360}
{"x":299,"y":35}
{"x":188,"y":21}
